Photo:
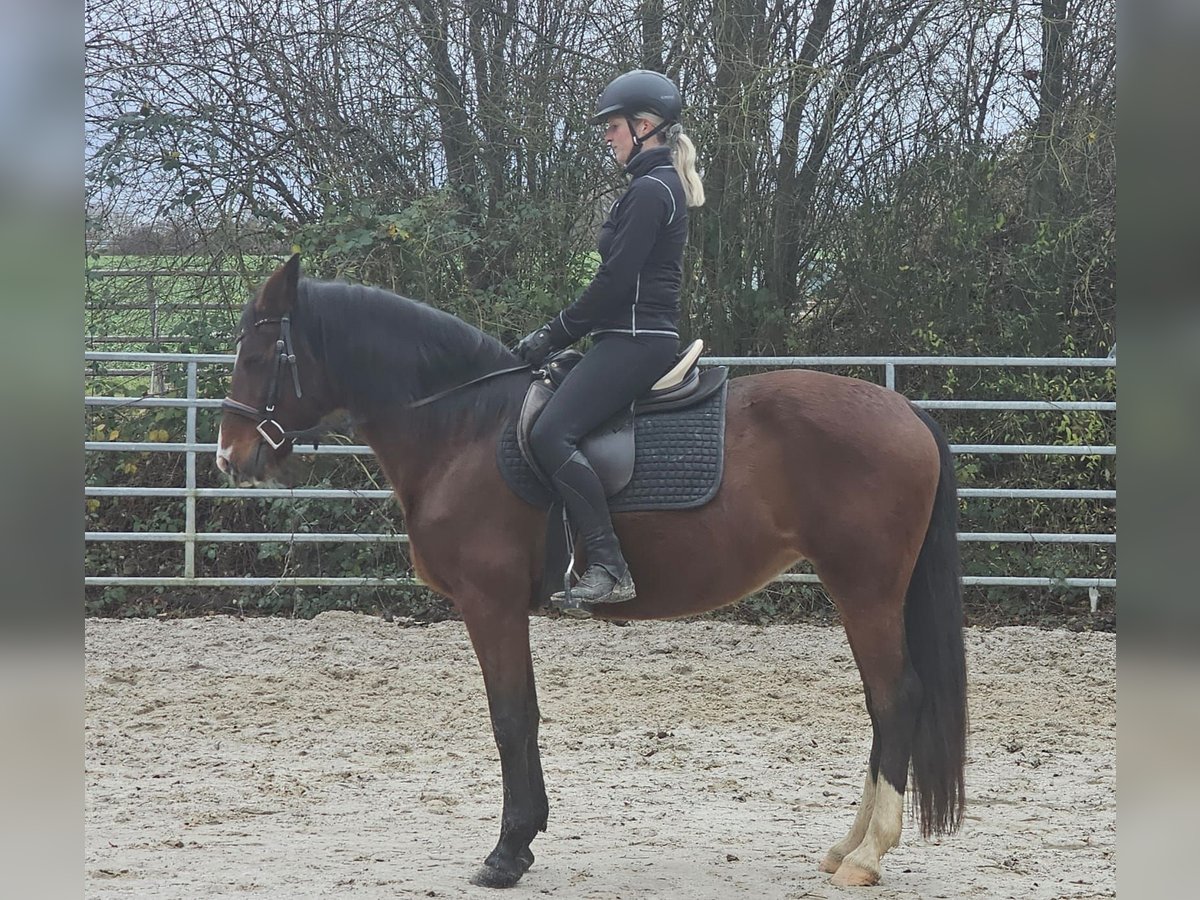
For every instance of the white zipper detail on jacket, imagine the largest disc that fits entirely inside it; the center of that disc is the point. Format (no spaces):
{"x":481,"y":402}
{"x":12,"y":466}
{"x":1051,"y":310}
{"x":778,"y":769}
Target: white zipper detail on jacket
{"x":636,"y":295}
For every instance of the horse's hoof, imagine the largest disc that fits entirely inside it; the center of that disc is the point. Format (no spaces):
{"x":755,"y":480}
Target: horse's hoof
{"x":830,"y":863}
{"x":495,"y":876}
{"x":851,"y":875}
{"x":492,"y":877}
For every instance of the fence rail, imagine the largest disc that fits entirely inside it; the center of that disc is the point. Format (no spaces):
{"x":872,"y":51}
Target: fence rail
{"x":192,"y":446}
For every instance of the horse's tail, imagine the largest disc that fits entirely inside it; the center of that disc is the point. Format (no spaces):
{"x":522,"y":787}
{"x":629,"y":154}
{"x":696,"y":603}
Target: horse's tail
{"x":933,"y":621}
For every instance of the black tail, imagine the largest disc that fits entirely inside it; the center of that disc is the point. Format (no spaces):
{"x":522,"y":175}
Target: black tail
{"x":933,"y":621}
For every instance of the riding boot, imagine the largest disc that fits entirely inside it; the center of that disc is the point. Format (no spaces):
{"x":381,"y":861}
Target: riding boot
{"x":607,"y":579}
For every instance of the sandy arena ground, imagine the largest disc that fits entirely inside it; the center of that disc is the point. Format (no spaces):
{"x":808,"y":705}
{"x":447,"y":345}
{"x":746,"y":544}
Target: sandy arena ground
{"x":349,"y":757}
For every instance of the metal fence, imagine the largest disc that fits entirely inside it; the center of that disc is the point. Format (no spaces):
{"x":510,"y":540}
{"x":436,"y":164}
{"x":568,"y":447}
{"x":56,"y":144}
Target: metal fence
{"x":192,"y":446}
{"x":146,"y":320}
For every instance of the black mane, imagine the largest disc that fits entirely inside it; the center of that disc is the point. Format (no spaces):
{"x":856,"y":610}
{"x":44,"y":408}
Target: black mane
{"x":386,"y":351}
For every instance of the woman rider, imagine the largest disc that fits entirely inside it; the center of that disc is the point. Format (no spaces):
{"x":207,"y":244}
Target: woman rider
{"x":631,"y":310}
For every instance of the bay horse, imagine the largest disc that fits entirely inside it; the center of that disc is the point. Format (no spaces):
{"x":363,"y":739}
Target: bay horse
{"x":844,"y":473}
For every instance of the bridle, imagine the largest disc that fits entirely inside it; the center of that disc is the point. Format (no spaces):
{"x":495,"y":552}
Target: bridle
{"x":265,"y":417}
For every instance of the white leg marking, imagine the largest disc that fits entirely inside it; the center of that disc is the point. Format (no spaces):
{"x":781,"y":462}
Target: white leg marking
{"x":882,"y":835}
{"x":888,"y":819}
{"x":858,"y":830}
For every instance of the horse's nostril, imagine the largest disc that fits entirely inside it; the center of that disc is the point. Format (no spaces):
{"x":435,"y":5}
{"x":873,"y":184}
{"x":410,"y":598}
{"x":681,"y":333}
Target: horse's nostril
{"x":225,"y":464}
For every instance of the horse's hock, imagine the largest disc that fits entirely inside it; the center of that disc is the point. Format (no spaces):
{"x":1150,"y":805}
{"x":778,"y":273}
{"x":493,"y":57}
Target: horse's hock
{"x":345,"y":756}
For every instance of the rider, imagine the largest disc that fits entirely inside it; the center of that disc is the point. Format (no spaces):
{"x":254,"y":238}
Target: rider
{"x":631,"y":309}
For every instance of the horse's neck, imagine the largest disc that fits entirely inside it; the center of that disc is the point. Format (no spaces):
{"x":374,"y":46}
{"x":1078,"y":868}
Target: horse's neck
{"x":405,"y":469}
{"x":415,"y":447}
{"x":415,"y":465}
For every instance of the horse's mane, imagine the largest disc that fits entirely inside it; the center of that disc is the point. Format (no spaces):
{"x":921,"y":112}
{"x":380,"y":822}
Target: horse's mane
{"x":386,"y":351}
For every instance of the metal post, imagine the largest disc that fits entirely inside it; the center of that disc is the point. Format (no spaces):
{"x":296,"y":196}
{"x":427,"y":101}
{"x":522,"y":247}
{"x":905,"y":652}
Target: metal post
{"x":889,"y":375}
{"x":158,"y":372}
{"x":189,"y":547}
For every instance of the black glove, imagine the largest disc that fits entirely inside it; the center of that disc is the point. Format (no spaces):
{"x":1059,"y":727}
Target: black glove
{"x":537,"y":345}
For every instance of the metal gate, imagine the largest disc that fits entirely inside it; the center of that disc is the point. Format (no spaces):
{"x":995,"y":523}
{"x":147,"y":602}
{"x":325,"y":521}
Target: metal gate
{"x":888,"y":366}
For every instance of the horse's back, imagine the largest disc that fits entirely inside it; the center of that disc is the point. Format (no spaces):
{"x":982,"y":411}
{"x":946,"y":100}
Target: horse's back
{"x":828,"y":412}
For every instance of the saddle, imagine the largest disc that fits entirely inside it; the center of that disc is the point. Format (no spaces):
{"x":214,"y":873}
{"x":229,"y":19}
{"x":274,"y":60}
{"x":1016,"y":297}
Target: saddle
{"x":611,"y":448}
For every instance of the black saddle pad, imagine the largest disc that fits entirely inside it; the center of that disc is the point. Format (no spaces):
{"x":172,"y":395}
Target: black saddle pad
{"x":679,"y":461}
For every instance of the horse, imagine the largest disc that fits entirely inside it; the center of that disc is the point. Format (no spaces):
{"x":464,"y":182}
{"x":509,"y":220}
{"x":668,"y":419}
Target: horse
{"x":841,"y":472}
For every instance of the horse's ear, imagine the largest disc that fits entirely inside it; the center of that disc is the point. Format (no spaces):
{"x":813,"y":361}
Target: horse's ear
{"x":278,"y":295}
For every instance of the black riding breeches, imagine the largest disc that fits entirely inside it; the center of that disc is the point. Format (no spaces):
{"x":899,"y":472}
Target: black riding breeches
{"x":616,"y":371}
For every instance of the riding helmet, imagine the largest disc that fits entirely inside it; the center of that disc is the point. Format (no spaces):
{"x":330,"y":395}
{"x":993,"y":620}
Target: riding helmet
{"x":640,"y":91}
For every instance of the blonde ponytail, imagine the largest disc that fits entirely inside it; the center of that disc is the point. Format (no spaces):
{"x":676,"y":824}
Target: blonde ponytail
{"x":683,"y":157}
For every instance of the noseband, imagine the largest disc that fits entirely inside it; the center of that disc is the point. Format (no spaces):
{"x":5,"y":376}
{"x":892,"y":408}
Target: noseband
{"x":265,"y":418}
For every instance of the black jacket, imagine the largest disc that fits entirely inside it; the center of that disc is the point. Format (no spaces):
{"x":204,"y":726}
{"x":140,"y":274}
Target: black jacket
{"x":636,"y":289}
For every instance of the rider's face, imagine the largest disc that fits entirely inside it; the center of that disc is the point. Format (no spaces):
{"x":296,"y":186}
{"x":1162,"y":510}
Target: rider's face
{"x":618,"y":137}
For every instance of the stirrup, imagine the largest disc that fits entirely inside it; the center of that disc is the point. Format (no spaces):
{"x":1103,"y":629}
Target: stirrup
{"x":579,"y":604}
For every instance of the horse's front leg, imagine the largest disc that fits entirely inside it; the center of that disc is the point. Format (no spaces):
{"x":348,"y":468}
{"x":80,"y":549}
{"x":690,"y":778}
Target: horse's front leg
{"x":501,"y":641}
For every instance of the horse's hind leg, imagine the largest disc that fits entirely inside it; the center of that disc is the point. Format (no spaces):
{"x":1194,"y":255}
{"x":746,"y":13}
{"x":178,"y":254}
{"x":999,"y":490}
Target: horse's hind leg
{"x":866,"y":806}
{"x":893,"y":694}
{"x":501,"y":641}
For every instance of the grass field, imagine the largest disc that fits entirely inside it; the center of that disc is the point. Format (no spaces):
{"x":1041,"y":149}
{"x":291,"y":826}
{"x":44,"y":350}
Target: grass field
{"x":168,"y":303}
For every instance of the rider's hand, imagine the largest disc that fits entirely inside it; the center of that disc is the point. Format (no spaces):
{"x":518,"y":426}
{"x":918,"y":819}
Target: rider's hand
{"x":536,"y":346}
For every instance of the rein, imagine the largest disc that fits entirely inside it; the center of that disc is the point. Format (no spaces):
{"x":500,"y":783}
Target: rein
{"x":458,"y":387}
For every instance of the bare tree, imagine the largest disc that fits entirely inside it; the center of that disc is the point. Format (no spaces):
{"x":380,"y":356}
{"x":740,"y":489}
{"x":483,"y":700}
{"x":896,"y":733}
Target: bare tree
{"x":442,"y":146}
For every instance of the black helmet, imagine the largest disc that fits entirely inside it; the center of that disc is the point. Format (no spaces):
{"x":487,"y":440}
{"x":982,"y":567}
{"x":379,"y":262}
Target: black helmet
{"x":640,"y":91}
